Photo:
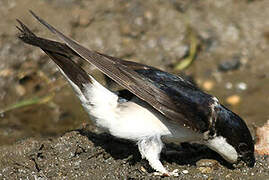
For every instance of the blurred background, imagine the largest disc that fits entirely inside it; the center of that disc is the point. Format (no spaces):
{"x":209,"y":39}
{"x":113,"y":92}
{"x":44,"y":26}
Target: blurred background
{"x":221,"y":45}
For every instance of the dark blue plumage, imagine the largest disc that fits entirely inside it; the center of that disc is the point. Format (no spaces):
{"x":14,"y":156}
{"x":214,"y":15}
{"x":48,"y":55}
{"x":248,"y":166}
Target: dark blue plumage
{"x":193,"y":103}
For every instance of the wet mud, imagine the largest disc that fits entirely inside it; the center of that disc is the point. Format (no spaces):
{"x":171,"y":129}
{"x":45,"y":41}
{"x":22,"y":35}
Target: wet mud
{"x":52,"y":137}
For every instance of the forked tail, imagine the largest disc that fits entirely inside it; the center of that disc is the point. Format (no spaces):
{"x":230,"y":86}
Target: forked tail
{"x":59,"y":53}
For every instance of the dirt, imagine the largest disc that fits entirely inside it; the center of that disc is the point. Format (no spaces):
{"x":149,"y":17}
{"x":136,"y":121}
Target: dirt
{"x":83,"y":154}
{"x":48,"y":139}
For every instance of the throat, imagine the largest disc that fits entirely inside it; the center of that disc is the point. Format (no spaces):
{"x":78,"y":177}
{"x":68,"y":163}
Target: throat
{"x":221,"y":146}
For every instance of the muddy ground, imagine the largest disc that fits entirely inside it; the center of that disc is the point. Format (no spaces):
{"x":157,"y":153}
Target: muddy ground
{"x":52,"y":137}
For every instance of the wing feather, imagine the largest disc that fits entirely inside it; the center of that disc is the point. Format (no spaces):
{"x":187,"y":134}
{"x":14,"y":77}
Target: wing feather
{"x":185,"y":105}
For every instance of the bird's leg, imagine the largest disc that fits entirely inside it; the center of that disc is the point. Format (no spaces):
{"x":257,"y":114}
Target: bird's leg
{"x":150,"y":148}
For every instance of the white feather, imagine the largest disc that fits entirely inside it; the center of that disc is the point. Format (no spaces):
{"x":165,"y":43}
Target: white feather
{"x":220,"y":145}
{"x":137,"y":121}
{"x":133,"y":120}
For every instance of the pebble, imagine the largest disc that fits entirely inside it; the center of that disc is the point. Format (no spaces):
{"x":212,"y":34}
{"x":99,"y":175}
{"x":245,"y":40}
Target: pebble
{"x":208,"y":85}
{"x":206,"y":170}
{"x":185,"y":171}
{"x":83,"y":17}
{"x":148,"y":15}
{"x":207,"y":163}
{"x":228,"y":85}
{"x":241,"y":86}
{"x":143,"y":169}
{"x":229,"y":65}
{"x":125,"y":30}
{"x":233,"y":100}
{"x":20,"y":90}
{"x":6,"y":72}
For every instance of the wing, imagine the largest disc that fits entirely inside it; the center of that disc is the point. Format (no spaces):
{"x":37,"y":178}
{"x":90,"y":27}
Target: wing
{"x":177,"y":99}
{"x":196,"y":106}
{"x":191,"y":102}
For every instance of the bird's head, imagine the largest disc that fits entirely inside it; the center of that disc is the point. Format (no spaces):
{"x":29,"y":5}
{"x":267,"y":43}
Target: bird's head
{"x":232,"y":138}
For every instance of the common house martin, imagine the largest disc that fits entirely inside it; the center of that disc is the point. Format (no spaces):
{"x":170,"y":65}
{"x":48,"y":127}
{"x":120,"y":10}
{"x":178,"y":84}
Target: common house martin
{"x":162,"y":107}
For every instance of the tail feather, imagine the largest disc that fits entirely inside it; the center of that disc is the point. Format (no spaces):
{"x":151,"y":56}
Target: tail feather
{"x":27,"y":36}
{"x":99,"y":102}
{"x":59,"y":53}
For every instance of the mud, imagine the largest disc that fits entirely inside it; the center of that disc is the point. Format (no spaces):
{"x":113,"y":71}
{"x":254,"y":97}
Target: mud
{"x":48,"y":138}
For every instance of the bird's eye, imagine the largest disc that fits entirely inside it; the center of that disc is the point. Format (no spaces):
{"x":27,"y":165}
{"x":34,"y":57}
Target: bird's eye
{"x":243,"y":147}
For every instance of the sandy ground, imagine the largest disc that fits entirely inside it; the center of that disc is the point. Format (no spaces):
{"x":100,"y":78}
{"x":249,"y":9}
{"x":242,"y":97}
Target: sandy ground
{"x":49,"y":140}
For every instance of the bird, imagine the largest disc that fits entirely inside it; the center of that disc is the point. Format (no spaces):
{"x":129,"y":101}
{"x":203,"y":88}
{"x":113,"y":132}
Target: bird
{"x":154,"y":106}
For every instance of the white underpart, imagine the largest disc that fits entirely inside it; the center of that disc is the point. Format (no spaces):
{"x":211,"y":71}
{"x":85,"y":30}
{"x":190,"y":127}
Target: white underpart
{"x":132,"y":120}
{"x":220,"y":145}
{"x":136,"y":121}
{"x":126,"y":120}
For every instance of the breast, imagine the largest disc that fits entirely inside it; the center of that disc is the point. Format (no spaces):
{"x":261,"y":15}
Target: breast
{"x":136,"y":120}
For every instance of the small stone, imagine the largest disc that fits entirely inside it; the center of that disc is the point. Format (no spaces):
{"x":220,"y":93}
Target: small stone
{"x":20,"y":90}
{"x":148,"y":15}
{"x":6,"y":72}
{"x":139,"y":21}
{"x":205,"y":170}
{"x":228,"y":85}
{"x":208,"y":85}
{"x":207,"y":163}
{"x":126,"y":30}
{"x":229,"y":65}
{"x":83,"y":17}
{"x":143,"y":169}
{"x":84,"y":20}
{"x":241,"y":86}
{"x":233,"y":100}
{"x":185,"y":171}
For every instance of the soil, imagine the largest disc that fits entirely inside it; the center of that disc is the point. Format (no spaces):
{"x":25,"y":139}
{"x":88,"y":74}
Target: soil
{"x":53,"y":138}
